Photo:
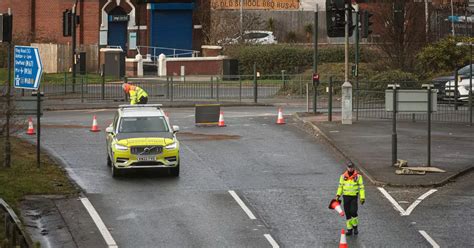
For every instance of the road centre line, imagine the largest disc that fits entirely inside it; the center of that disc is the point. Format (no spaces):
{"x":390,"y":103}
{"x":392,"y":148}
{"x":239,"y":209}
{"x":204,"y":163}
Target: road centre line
{"x":242,"y":204}
{"x":271,"y":240}
{"x":411,"y":207}
{"x":99,"y":223}
{"x":429,"y":239}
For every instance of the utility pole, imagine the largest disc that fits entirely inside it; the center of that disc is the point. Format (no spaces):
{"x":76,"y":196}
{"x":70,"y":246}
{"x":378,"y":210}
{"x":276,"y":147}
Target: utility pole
{"x":7,"y":161}
{"x":347,"y":86}
{"x":315,"y":57}
{"x":241,"y":18}
{"x":74,"y":23}
{"x":452,"y":22}
{"x":356,"y":71}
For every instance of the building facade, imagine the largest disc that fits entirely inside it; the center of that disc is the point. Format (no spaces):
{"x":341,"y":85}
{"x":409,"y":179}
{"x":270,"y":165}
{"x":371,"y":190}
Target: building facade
{"x":128,"y":24}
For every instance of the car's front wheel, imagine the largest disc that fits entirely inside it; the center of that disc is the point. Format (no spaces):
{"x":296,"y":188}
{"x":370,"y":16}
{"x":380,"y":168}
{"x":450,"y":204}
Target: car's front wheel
{"x":174,"y":171}
{"x":115,"y":171}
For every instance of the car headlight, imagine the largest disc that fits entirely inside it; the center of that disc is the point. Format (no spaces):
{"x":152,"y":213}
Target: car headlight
{"x":121,"y":147}
{"x":171,"y":146}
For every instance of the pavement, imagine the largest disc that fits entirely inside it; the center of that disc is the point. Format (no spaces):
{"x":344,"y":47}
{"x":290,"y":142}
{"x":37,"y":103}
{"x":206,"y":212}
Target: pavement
{"x":368,"y":144}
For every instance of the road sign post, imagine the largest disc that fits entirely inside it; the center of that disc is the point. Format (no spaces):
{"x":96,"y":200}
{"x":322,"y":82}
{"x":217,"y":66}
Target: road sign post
{"x":27,"y":75}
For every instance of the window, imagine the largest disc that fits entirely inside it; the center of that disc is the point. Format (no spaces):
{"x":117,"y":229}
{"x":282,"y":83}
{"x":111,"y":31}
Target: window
{"x":143,"y":125}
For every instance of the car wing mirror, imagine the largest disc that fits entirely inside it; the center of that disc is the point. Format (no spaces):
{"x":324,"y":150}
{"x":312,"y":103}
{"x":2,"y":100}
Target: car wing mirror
{"x":109,"y":130}
{"x":175,"y":129}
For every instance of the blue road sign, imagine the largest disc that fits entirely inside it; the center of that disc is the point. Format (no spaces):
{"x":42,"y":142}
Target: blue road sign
{"x":28,"y":68}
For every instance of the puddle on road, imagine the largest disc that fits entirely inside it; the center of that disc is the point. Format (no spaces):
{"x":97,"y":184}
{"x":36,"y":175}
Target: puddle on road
{"x":189,"y":136}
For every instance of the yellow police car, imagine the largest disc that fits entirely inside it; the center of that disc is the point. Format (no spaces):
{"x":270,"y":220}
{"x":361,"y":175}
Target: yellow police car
{"x":140,"y":137}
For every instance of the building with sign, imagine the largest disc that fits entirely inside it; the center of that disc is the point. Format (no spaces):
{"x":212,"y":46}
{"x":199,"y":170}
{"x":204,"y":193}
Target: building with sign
{"x":128,"y":24}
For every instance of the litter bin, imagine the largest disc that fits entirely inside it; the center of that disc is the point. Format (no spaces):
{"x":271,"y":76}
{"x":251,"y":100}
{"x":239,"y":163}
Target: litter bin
{"x":230,"y":69}
{"x":114,"y":62}
{"x":81,"y":63}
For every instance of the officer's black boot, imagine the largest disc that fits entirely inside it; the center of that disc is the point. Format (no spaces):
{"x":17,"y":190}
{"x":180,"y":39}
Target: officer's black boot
{"x":355,"y":230}
{"x":349,"y":232}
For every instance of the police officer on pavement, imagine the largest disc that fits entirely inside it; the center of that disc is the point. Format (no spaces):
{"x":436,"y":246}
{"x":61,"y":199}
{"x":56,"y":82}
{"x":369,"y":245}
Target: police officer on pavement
{"x":137,"y":94}
{"x":351,"y":188}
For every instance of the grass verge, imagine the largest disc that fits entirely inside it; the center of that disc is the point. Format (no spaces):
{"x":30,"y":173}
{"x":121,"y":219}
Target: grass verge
{"x":24,"y":178}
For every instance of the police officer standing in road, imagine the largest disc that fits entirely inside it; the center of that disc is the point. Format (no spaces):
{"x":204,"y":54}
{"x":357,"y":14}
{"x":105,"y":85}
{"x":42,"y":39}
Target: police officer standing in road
{"x":351,"y":187}
{"x":137,"y":94}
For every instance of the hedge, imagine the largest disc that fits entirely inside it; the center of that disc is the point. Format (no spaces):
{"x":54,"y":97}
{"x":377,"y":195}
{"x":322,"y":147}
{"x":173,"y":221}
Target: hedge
{"x":272,"y":59}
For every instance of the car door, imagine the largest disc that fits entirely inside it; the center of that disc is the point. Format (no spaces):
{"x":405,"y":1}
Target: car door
{"x":111,"y":136}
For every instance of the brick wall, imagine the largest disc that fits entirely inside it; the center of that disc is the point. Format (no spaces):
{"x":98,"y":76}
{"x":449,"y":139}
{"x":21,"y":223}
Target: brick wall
{"x":47,"y":23}
{"x":21,"y":10}
{"x":194,"y":66}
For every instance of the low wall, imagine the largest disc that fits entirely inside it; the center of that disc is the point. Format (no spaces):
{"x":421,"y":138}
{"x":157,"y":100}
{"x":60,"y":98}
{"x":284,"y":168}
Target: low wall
{"x":195,"y":66}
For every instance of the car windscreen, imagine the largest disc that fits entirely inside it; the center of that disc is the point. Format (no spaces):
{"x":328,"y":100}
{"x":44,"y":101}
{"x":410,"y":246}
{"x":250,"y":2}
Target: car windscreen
{"x":465,"y":70}
{"x":255,"y":35}
{"x":143,"y":124}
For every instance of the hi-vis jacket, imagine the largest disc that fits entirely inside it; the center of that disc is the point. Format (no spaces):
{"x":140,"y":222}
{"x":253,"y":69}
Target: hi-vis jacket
{"x":136,"y":93}
{"x":351,"y":185}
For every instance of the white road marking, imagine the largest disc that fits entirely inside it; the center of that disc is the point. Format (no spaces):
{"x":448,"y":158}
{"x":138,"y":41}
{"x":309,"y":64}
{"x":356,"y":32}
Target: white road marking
{"x":97,"y":110}
{"x":390,"y":199}
{"x":411,"y":207}
{"x":429,"y":239}
{"x":421,"y":198}
{"x":242,"y":204}
{"x":99,"y":223}
{"x":271,"y":241}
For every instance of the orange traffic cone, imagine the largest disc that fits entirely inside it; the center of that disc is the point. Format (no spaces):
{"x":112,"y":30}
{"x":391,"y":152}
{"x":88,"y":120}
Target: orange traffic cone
{"x":221,"y":120}
{"x":31,"y":129}
{"x":343,"y":242}
{"x":280,"y":119}
{"x":335,"y":204}
{"x":95,"y":127}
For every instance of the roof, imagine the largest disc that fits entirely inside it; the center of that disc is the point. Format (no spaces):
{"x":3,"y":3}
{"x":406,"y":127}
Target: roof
{"x":141,"y":112}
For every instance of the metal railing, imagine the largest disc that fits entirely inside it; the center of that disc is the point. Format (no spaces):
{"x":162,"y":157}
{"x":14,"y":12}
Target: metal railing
{"x":15,"y":234}
{"x":369,"y":103}
{"x":154,"y":52}
{"x":180,"y":88}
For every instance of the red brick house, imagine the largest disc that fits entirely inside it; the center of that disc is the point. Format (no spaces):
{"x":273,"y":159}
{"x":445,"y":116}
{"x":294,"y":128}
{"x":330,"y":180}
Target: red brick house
{"x":124,"y":23}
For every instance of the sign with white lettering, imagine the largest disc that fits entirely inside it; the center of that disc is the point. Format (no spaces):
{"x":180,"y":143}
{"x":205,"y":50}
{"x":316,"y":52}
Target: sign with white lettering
{"x":28,"y":67}
{"x":256,"y":4}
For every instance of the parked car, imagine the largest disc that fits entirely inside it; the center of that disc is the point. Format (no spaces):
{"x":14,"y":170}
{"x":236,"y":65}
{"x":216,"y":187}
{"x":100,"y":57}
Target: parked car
{"x":252,"y":37}
{"x":462,"y":89}
{"x":440,"y":82}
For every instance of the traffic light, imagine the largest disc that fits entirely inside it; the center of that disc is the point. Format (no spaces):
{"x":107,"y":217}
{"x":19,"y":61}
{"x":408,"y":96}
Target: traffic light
{"x":67,"y":23}
{"x":336,"y":18}
{"x":6,"y":28}
{"x":366,"y":23}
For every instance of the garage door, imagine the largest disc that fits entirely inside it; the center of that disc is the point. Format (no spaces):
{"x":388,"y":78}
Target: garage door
{"x":172,"y":28}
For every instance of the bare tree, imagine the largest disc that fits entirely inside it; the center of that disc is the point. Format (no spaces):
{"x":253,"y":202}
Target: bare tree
{"x":399,"y":24}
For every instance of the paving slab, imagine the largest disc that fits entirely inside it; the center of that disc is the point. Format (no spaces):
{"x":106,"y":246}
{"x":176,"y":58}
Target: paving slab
{"x":368,"y":143}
